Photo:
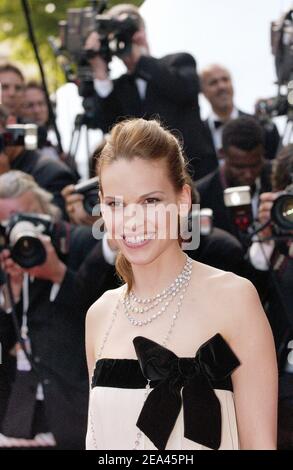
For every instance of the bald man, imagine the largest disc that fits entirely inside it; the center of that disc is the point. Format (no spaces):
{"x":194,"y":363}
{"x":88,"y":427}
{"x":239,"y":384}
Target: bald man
{"x":217,"y":87}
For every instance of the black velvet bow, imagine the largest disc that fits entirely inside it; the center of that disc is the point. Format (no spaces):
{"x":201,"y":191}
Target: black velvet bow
{"x":214,"y":361}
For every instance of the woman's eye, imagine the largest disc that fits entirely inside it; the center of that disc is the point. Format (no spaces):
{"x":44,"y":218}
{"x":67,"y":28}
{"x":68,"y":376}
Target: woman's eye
{"x":114,"y":204}
{"x":151,"y":200}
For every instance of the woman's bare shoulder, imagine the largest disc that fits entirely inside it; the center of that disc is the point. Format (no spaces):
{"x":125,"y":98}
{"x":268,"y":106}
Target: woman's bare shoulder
{"x":217,"y":277}
{"x":232,"y":302}
{"x":105,"y":304}
{"x":223,"y":287}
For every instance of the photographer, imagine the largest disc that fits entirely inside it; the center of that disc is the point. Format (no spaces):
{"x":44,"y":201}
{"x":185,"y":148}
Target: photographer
{"x":35,"y":110}
{"x":75,"y":207}
{"x":167,"y":88}
{"x":273,"y":248}
{"x":80,"y":203}
{"x":272,"y":251}
{"x":48,"y":400}
{"x":52,"y":175}
{"x":244,"y":165}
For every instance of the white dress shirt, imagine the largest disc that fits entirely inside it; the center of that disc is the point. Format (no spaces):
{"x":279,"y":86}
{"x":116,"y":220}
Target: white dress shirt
{"x":217,"y":133}
{"x":105,"y":87}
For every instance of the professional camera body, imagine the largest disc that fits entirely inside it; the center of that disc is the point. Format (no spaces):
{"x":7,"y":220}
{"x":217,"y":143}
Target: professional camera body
{"x":282,"y":212}
{"x":25,"y":135}
{"x":90,"y":191}
{"x":20,"y":234}
{"x":115,"y":34}
{"x":115,"y":38}
{"x":238,"y":200}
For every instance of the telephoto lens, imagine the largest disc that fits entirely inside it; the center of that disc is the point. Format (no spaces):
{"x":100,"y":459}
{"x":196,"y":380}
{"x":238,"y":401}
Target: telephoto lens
{"x":282,"y":211}
{"x":90,"y":191}
{"x":26,"y":248}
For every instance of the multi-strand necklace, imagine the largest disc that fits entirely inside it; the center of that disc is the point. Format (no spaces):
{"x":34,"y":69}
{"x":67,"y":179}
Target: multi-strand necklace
{"x":135,"y":308}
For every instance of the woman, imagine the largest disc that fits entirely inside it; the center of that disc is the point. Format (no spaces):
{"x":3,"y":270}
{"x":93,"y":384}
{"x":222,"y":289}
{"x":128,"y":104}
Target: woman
{"x":181,"y":352}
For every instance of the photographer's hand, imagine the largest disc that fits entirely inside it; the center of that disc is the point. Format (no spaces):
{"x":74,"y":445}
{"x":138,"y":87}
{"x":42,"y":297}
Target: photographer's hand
{"x":139,"y":48}
{"x":75,"y":208}
{"x":264,"y":212}
{"x":97,"y":63}
{"x":14,"y":271}
{"x":53,"y":269}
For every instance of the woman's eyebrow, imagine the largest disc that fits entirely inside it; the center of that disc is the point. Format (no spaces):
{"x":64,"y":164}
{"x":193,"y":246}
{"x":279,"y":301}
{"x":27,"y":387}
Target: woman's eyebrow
{"x":139,"y":197}
{"x":149,"y":194}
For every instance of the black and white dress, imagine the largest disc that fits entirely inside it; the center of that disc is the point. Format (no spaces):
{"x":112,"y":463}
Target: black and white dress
{"x":190,"y":403}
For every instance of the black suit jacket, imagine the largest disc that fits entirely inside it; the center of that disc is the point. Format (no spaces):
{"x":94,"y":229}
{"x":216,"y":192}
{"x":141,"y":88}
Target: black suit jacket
{"x":210,"y":163}
{"x":171,"y":95}
{"x":52,"y":175}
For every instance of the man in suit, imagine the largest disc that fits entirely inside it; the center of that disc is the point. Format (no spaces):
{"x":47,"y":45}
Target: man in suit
{"x":165,"y":88}
{"x":243,"y":164}
{"x":217,"y":87}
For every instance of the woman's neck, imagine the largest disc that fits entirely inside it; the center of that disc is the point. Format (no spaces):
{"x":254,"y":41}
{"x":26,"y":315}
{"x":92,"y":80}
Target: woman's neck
{"x":153,"y":278}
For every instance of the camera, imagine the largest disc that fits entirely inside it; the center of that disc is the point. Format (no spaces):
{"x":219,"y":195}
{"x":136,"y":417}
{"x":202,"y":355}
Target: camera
{"x":90,"y":191}
{"x":282,"y":211}
{"x":19,"y":134}
{"x":20,"y":234}
{"x":238,"y":200}
{"x":115,"y":40}
{"x":115,"y":34}
{"x":272,"y":107}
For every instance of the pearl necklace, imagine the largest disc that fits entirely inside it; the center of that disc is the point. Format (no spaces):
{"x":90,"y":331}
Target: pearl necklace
{"x":166,"y":339}
{"x":168,"y":295}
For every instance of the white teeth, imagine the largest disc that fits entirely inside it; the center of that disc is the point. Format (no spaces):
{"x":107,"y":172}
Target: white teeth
{"x":138,"y":239}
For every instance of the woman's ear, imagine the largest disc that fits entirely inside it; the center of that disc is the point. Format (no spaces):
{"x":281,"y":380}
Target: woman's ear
{"x":185,"y":198}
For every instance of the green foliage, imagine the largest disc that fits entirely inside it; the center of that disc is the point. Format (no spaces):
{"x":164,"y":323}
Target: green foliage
{"x":13,"y":30}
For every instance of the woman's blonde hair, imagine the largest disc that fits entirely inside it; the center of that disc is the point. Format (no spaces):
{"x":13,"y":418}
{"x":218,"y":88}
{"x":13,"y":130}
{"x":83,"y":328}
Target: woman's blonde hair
{"x":148,"y":140}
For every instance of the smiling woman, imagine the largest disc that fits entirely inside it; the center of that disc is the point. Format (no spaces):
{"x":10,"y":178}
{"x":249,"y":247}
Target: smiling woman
{"x":216,"y":387}
{"x":139,"y":153}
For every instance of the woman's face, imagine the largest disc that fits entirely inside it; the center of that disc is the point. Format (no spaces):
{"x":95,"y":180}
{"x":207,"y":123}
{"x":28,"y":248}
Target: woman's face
{"x":140,"y":207}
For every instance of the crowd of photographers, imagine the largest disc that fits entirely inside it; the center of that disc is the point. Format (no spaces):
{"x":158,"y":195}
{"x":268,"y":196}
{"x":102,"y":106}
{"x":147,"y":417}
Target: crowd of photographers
{"x":53,"y":269}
